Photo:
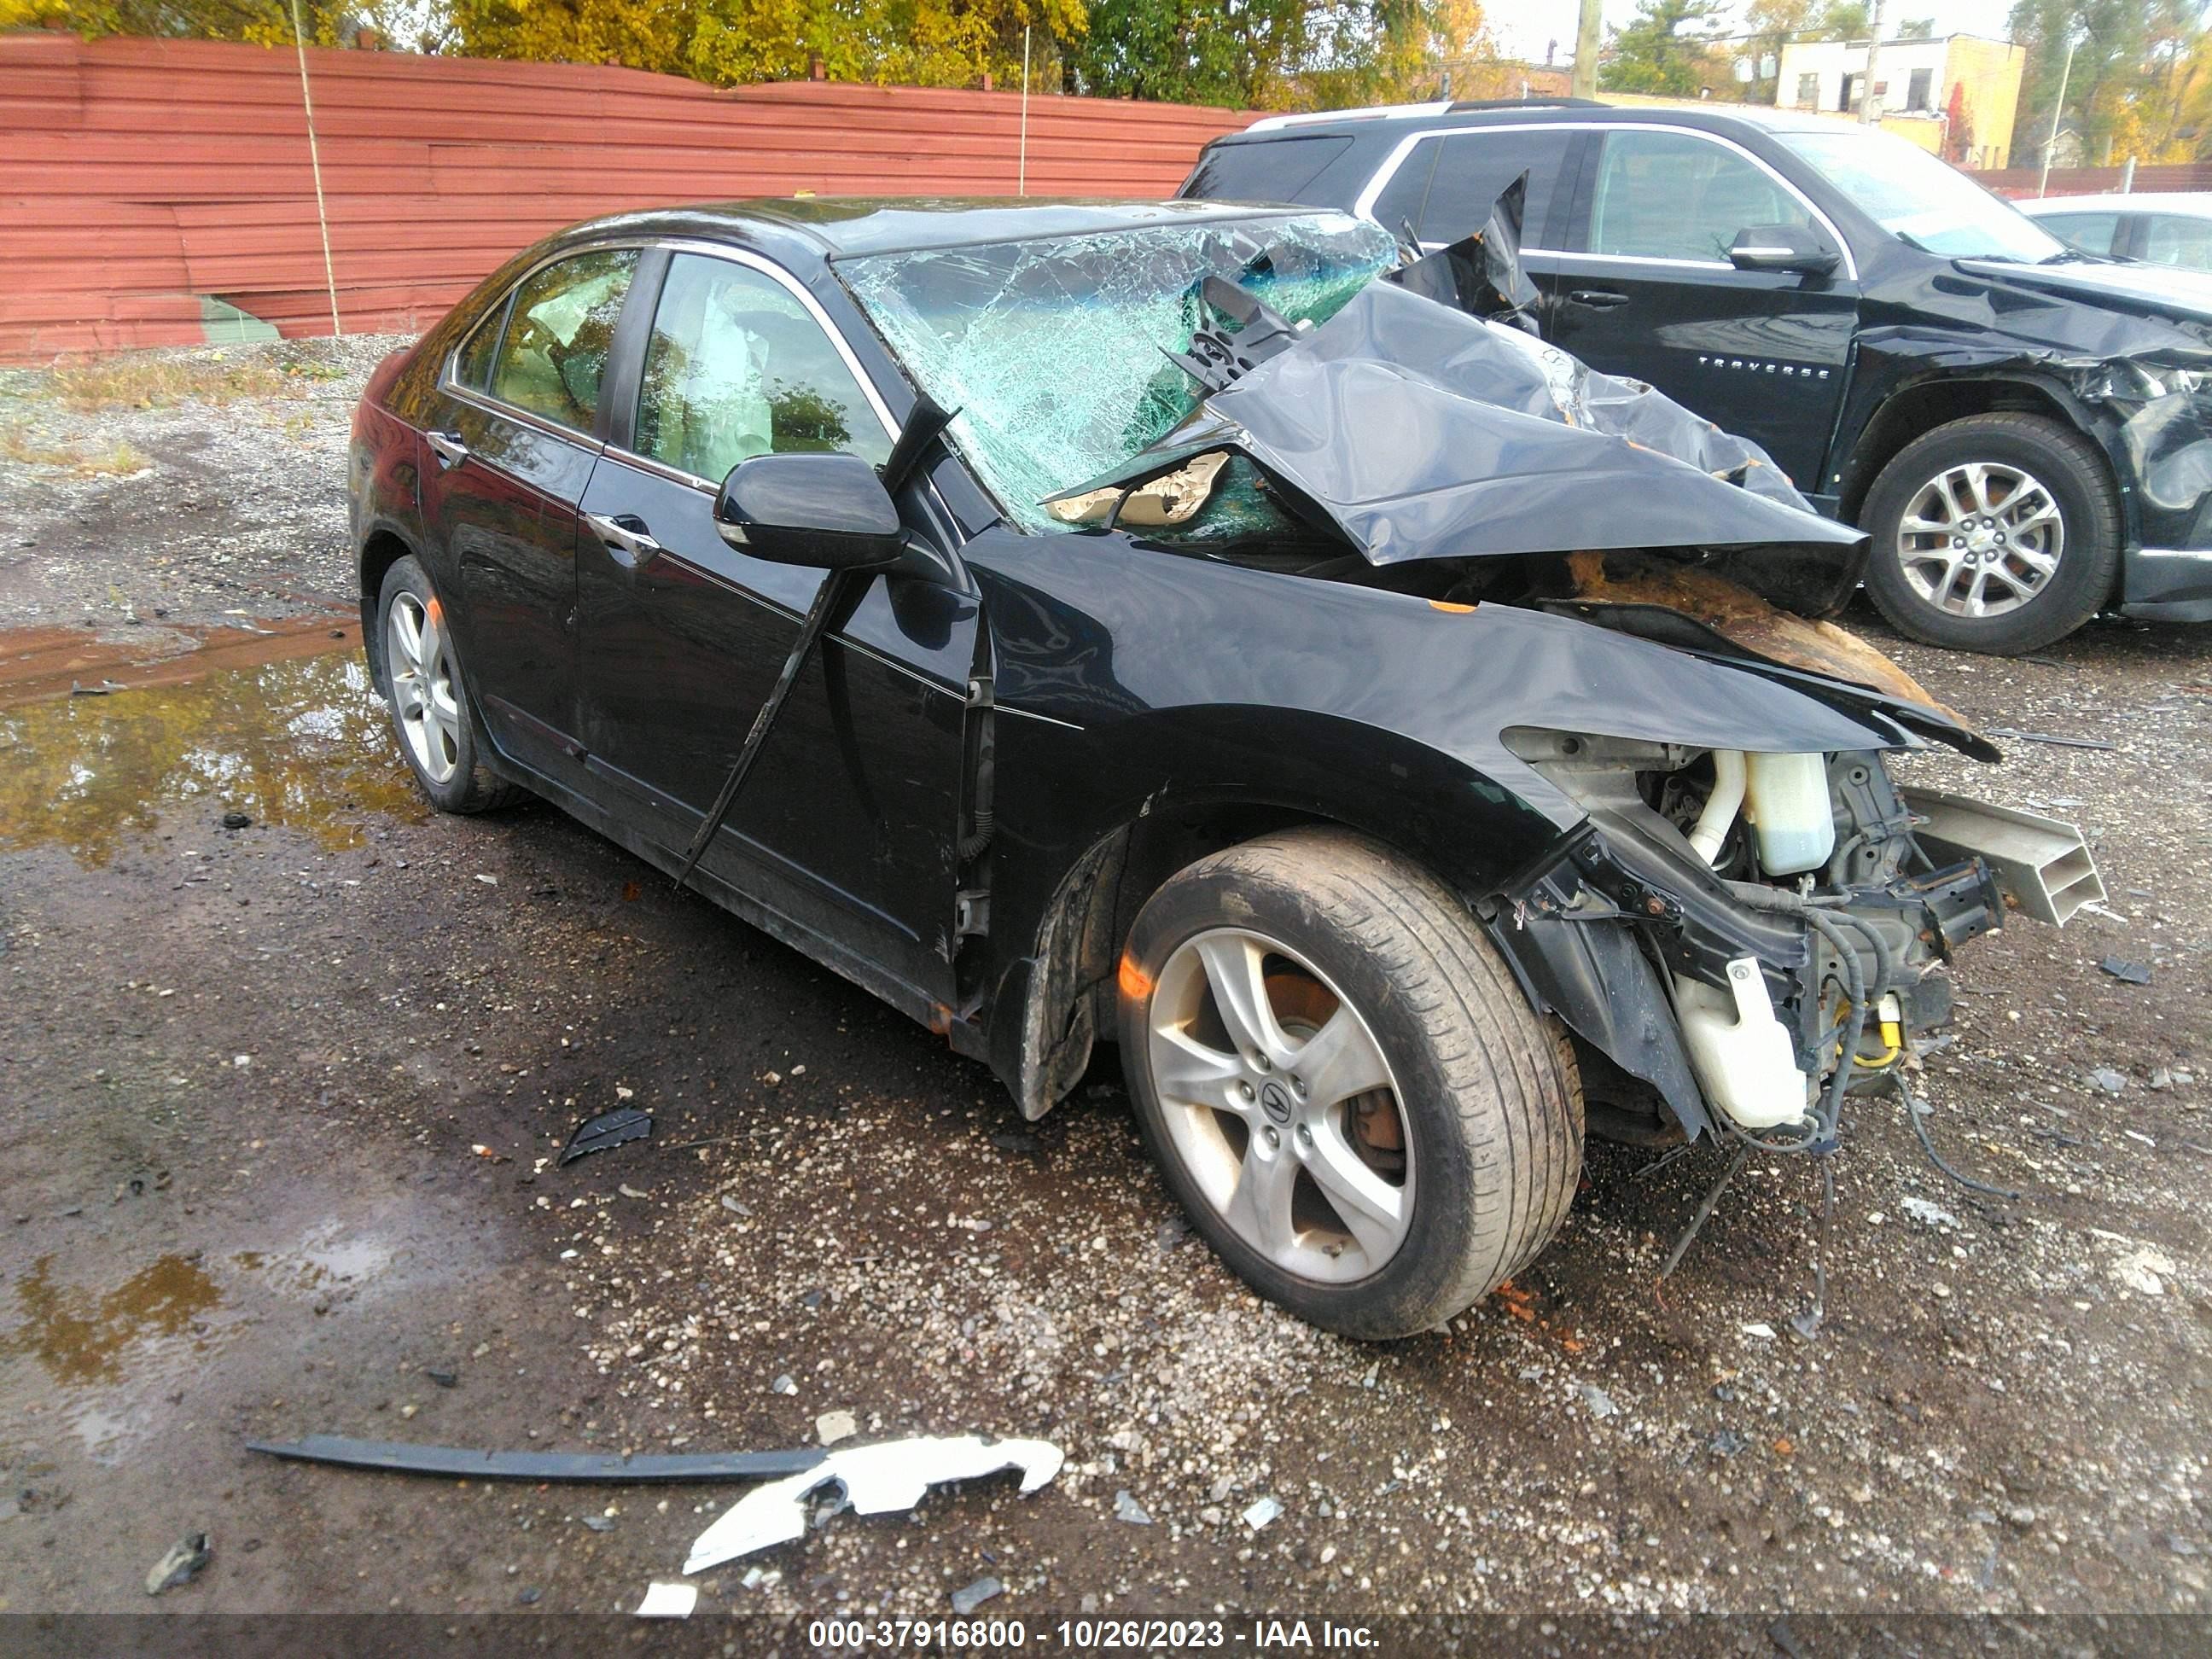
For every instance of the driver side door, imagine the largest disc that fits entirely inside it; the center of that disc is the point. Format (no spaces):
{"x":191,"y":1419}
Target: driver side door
{"x":847,"y":827}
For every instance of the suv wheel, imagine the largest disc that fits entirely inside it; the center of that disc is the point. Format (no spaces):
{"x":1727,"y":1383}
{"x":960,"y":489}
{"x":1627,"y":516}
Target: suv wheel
{"x":1343,"y":1086}
{"x":429,"y":698}
{"x":1997,"y":533}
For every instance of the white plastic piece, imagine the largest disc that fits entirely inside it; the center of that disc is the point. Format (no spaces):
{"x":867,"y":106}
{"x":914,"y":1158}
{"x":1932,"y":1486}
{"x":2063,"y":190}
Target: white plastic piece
{"x":1741,"y":1054}
{"x":1722,"y":806}
{"x":875,"y":1479}
{"x":1786,"y":799}
{"x":668,"y":1600}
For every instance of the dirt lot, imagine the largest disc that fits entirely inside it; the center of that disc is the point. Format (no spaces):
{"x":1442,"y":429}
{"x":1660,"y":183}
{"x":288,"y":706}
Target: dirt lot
{"x":282,"y":1101}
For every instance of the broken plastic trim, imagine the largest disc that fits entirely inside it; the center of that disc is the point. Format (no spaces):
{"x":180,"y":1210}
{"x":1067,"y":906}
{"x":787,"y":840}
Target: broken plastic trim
{"x":615,"y":1129}
{"x":397,"y":1458}
{"x":875,"y":1479}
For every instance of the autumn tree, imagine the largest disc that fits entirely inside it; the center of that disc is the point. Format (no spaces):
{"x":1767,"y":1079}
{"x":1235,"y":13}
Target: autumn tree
{"x":1666,"y":49}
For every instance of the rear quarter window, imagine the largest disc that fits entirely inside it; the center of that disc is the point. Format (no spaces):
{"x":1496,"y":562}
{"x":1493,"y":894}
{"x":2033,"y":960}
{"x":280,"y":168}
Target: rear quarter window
{"x":1264,"y":169}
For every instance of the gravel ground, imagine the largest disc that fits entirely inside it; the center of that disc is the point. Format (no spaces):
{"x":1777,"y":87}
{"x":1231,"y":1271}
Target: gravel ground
{"x":286,"y":1098}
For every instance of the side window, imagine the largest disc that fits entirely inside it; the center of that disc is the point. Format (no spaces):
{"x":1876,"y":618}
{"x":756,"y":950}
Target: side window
{"x":1673,"y":196}
{"x":736,"y":368}
{"x":2092,"y":233}
{"x":1264,"y":170}
{"x":1398,"y":204}
{"x":1474,"y":167}
{"x":559,"y":331}
{"x":474,"y":368}
{"x":2168,"y":238}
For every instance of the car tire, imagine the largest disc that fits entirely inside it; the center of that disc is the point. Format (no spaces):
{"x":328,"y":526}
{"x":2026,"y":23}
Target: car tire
{"x":1289,"y":1176}
{"x":432,"y":715}
{"x":2032,"y":472}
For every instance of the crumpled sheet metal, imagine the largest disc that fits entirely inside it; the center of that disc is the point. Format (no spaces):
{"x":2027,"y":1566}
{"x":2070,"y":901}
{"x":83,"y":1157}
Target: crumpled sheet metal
{"x":875,"y":1479}
{"x":1422,"y":432}
{"x":1480,"y":275}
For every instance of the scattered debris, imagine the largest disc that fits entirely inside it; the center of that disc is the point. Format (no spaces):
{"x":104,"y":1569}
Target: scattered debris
{"x":1928,"y":1214}
{"x":1728,"y":1442}
{"x":1600,"y":1402}
{"x":184,"y":1561}
{"x":1763,"y":1331}
{"x":624,"y":1124}
{"x":668,"y":1600}
{"x":445,"y":1376}
{"x":453,"y":1462}
{"x":832,"y":1426}
{"x":629,"y":1191}
{"x":1171,"y":1233}
{"x":1005,"y":1142}
{"x":733,"y":1207}
{"x":2133,"y":973}
{"x":1126,"y":1507}
{"x":892,"y":1476}
{"x":237,"y":820}
{"x":1262,"y":1512}
{"x":783,"y":1384}
{"x":599,"y":1522}
{"x":2144,"y":1271}
{"x":2110,"y":1081}
{"x":965,"y":1601}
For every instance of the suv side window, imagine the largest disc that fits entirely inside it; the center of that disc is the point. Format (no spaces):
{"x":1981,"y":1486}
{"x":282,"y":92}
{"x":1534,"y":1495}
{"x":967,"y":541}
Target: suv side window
{"x":1472,"y":170}
{"x":2092,"y":233}
{"x":1677,"y":195}
{"x":736,"y":367}
{"x":559,"y":331}
{"x":1263,"y":169}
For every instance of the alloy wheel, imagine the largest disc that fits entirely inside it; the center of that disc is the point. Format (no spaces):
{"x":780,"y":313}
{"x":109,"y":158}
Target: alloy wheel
{"x":1280,"y":1104}
{"x":1980,"y":539}
{"x":422,"y":694}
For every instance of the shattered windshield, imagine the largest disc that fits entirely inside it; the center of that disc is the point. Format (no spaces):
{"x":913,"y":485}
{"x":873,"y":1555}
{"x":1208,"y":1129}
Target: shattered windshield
{"x":1053,"y":349}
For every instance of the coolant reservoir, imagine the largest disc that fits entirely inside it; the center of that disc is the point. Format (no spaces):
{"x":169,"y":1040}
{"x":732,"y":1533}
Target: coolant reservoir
{"x":1785,"y":797}
{"x":1740,"y":1052}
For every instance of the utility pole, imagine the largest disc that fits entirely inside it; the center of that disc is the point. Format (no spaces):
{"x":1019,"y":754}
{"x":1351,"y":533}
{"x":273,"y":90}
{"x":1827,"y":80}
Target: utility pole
{"x":2043,"y":183}
{"x":1870,"y":105}
{"x":1588,"y":35}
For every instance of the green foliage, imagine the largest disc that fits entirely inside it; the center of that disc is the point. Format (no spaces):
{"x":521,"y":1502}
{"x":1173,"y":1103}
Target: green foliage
{"x":1654,"y":55}
{"x":2139,"y":82}
{"x":263,"y":22}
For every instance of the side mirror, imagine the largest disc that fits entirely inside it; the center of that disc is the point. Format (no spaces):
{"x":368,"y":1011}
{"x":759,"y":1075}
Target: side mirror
{"x":1783,"y":248}
{"x":823,"y":511}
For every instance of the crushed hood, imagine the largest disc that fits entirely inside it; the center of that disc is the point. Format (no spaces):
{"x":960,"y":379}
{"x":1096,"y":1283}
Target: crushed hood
{"x":1418,"y":431}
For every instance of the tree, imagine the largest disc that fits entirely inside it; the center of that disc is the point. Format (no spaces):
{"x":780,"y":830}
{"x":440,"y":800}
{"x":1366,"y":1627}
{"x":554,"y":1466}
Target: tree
{"x":1653,"y":55}
{"x":265,"y":22}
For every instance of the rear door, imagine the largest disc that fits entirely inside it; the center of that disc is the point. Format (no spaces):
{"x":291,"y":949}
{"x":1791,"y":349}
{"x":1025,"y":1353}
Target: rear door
{"x":847,"y":824}
{"x":513,"y":438}
{"x":1442,"y":186}
{"x":1645,"y":288}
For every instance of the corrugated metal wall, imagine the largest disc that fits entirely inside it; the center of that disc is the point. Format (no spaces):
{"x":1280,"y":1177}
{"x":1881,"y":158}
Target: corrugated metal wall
{"x":137,"y":176}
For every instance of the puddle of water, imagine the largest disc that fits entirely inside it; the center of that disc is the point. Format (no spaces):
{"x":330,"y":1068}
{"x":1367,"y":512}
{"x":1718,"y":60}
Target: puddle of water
{"x":81,"y":1338}
{"x":302,"y":744}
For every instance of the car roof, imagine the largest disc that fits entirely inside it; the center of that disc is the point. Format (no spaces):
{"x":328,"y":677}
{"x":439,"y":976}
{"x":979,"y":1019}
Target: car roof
{"x":1538,"y":111}
{"x":843,"y":227}
{"x":2193,"y":204}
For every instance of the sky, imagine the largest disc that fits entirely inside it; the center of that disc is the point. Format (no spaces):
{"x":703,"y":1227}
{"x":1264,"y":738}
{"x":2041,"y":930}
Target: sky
{"x":1522,"y":26}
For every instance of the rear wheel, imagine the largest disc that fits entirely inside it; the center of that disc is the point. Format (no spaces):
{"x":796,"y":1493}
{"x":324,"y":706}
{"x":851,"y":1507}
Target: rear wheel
{"x":1997,"y":533}
{"x":429,"y":697}
{"x":1342,"y":1084}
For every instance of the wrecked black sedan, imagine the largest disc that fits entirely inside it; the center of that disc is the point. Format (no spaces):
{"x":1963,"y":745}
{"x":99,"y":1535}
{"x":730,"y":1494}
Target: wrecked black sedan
{"x":1379,"y":726}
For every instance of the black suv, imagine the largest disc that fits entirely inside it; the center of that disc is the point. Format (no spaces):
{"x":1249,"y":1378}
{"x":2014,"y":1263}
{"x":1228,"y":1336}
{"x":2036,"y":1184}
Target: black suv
{"x":2024,"y":431}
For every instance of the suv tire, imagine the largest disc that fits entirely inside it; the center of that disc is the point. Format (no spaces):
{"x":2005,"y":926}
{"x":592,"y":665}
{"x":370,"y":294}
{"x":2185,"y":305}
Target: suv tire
{"x":2016,"y":512}
{"x":1381,"y":1190}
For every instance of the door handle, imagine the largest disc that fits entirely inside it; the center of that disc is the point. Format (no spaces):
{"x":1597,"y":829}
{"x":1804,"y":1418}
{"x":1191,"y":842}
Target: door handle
{"x":632,"y":545}
{"x":1597,"y":299}
{"x":449,"y":449}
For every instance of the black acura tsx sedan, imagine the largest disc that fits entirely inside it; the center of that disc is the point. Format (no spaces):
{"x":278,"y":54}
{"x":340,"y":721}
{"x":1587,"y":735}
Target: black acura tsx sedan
{"x":1216,"y":631}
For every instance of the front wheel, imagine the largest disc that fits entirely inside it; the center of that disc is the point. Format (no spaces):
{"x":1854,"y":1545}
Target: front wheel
{"x":1342,"y":1084}
{"x":1996,"y":533}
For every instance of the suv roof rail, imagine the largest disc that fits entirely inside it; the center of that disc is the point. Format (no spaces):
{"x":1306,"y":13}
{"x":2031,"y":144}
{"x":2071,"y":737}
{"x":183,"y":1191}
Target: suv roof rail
{"x":1529,"y":103}
{"x":1372,"y":113}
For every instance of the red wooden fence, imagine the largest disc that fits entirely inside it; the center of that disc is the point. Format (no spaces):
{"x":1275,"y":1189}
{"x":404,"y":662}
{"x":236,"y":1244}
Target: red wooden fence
{"x":2017,"y":182}
{"x":137,"y":176}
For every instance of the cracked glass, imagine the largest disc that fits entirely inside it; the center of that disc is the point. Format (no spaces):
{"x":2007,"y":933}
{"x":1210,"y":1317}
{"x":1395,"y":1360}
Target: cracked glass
{"x":1054,"y":349}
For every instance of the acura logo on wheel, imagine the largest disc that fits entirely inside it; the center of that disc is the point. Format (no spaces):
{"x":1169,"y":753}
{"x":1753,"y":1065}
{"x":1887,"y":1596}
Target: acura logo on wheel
{"x":1275,"y":1101}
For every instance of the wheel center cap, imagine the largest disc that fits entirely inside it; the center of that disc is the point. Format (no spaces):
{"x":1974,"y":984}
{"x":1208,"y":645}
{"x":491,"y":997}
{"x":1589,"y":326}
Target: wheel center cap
{"x":1275,"y":1102}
